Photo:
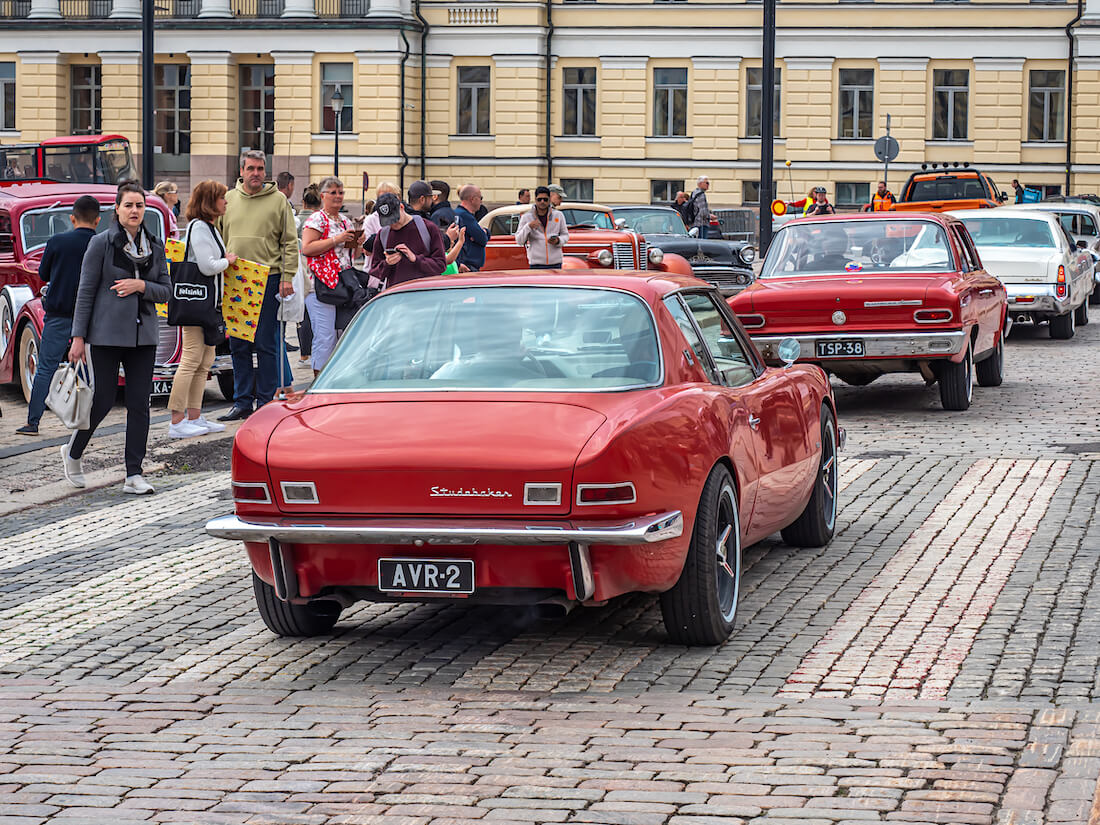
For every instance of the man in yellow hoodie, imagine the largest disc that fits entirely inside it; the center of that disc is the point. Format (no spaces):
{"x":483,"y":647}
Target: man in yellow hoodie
{"x":258,"y":226}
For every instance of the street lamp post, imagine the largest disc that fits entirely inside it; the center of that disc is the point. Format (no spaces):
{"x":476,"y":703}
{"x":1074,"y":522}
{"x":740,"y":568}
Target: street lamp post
{"x":767,"y":126}
{"x":337,"y":107}
{"x":148,"y":128}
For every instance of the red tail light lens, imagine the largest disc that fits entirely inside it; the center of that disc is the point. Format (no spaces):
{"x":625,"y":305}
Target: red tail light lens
{"x":251,"y":492}
{"x":933,"y":316}
{"x":1062,"y":290}
{"x":621,"y":493}
{"x":751,"y":321}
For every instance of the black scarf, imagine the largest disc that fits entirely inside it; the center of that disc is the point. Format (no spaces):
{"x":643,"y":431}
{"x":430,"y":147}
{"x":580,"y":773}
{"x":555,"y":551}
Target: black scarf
{"x":140,"y":266}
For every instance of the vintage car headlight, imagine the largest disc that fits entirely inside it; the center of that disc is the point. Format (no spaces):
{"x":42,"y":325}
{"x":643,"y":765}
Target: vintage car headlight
{"x":604,"y":257}
{"x":747,"y":254}
{"x":656,"y":255}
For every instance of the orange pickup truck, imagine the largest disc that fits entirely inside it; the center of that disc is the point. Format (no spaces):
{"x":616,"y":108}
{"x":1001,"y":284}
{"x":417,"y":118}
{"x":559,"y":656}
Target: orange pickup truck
{"x":943,"y":187}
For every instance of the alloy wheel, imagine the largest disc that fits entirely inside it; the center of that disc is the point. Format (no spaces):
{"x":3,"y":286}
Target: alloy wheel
{"x":728,"y":551}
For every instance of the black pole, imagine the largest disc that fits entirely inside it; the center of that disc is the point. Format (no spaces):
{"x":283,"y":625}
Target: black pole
{"x":148,"y":135}
{"x":767,"y":127}
{"x":336,"y":147}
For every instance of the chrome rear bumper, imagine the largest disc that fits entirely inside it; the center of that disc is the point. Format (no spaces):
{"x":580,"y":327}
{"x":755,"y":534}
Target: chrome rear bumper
{"x":875,"y":344}
{"x":1042,"y":299}
{"x":647,"y":530}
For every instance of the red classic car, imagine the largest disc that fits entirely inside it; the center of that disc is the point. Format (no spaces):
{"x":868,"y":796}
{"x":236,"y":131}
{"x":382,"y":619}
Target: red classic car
{"x":596,"y":241}
{"x":867,"y":295}
{"x":552,"y":438}
{"x":31,"y":212}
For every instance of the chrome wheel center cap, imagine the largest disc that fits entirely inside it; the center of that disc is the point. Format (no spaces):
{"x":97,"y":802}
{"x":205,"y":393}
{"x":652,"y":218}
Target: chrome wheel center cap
{"x":839,"y":317}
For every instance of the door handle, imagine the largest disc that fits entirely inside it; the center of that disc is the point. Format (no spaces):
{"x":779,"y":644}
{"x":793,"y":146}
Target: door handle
{"x":754,"y":422}
{"x":985,"y":291}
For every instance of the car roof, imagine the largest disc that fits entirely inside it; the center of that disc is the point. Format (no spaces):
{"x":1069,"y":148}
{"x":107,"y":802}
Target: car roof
{"x":80,"y":140}
{"x":1069,"y":206}
{"x":843,"y":217}
{"x":55,"y":190}
{"x":648,"y":285}
{"x":659,"y":206}
{"x":520,"y":208}
{"x":1013,"y":211}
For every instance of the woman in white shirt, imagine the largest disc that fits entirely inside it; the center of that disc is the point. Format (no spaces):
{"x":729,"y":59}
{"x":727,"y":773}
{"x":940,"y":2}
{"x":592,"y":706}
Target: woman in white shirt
{"x":329,"y":238}
{"x":206,"y":249}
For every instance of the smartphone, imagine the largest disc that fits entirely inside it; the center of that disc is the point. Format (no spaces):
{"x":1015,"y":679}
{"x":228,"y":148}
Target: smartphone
{"x":391,"y":251}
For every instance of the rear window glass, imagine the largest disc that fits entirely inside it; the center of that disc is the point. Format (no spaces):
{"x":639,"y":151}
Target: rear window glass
{"x":497,"y":338}
{"x":1009,"y":232}
{"x":948,"y":189}
{"x":832,"y":247}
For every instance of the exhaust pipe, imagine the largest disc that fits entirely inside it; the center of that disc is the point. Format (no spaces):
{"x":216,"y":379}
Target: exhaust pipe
{"x":555,"y":608}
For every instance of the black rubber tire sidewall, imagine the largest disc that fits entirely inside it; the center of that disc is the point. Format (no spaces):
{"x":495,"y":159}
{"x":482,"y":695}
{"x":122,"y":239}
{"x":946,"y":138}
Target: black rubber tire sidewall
{"x":811,"y":528}
{"x":286,"y":619}
{"x":954,"y":394}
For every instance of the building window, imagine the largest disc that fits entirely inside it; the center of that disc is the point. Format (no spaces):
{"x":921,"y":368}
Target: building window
{"x":950,"y":103}
{"x":857,"y":103}
{"x":473,"y":100}
{"x":1046,"y":111}
{"x":257,"y":108}
{"x":86,"y":105}
{"x":664,"y":191}
{"x":578,"y":189}
{"x":172,"y":84}
{"x":337,"y":76}
{"x":670,"y":91}
{"x":750,"y":191}
{"x":579,"y":95}
{"x":7,"y":95}
{"x":853,"y":194}
{"x":754,"y":97}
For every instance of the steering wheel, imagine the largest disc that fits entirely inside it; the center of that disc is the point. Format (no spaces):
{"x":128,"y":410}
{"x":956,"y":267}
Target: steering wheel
{"x":532,"y":363}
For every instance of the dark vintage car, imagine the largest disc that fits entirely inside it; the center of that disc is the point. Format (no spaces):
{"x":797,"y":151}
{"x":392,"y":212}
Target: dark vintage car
{"x":725,"y":264}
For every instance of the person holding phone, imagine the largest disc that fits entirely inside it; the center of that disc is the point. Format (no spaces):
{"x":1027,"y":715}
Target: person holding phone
{"x":406,"y":246}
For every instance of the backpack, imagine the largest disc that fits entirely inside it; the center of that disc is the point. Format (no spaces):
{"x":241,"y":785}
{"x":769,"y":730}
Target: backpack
{"x":425,"y":238}
{"x":691,"y":210}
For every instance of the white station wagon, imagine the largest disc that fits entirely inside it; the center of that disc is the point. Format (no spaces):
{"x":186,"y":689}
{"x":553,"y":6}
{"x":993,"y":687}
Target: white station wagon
{"x":1046,"y":276}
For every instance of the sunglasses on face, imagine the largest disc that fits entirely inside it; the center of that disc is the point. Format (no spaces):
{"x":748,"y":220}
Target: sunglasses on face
{"x":547,"y":200}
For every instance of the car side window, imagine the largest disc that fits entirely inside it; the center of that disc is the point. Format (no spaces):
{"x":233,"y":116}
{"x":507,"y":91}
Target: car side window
{"x":969,"y":257}
{"x":729,"y":356}
{"x":1088,"y":225}
{"x":683,"y":321}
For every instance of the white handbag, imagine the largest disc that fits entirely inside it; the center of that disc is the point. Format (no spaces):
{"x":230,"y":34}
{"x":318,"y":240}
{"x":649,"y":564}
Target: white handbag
{"x":70,"y":395}
{"x":292,"y":308}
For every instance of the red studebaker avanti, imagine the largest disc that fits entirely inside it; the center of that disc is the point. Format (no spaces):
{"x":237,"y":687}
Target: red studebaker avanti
{"x":867,"y":295}
{"x":555,"y":438}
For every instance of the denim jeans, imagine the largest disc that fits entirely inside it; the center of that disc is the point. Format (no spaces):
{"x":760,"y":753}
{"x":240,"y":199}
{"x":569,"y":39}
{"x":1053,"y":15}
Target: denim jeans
{"x":56,"y":332}
{"x":255,"y":387}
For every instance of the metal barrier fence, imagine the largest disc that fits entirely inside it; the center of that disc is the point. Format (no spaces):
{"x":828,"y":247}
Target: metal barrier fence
{"x":739,"y":223}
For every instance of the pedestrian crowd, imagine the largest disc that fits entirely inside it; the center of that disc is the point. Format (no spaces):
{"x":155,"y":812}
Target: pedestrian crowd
{"x":104,"y":285}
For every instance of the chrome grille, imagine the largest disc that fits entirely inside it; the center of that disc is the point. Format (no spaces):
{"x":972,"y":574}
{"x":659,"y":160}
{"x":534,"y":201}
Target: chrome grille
{"x":643,"y":254}
{"x":624,"y":255}
{"x":167,"y":341}
{"x":725,"y":278}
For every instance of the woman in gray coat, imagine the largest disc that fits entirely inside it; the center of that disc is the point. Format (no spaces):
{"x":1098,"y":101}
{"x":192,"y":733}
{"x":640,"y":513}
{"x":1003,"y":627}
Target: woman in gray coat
{"x":123,"y":276}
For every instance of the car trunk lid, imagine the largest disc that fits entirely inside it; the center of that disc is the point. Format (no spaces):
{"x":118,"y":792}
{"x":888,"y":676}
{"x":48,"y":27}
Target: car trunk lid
{"x":1019,"y":264}
{"x":430,"y":457}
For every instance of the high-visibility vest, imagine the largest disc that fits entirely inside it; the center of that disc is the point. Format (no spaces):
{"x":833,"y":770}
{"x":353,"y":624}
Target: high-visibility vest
{"x":882,"y":203}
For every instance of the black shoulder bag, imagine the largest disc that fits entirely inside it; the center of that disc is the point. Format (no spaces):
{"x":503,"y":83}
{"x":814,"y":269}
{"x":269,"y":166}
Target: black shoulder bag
{"x":195,"y":300}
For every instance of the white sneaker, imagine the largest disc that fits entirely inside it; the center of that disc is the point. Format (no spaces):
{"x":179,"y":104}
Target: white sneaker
{"x":74,"y":469}
{"x":137,"y":485}
{"x":185,"y":429}
{"x":209,"y":426}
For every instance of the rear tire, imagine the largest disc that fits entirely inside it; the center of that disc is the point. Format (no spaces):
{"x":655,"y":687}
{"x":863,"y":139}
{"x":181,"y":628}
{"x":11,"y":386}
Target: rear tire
{"x":27,"y":365}
{"x":1081,"y":315}
{"x":957,"y":383}
{"x":991,"y":371}
{"x":7,"y":322}
{"x":225,"y":384}
{"x":286,"y":619}
{"x":701,"y":606}
{"x":817,"y":523}
{"x":1094,"y":298}
{"x":1062,"y":327}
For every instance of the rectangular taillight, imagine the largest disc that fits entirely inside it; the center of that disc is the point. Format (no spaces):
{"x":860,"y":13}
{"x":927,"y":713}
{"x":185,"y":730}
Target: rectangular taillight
{"x":751,"y":321}
{"x":621,"y":493}
{"x":1062,"y":289}
{"x":251,"y":492}
{"x":299,"y":492}
{"x":933,"y":316}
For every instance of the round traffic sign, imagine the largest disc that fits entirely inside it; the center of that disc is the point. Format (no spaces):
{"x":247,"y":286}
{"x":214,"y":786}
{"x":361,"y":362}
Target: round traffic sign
{"x":886,"y":148}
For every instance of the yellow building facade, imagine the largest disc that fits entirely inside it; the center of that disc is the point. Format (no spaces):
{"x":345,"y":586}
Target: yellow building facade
{"x":641,"y":98}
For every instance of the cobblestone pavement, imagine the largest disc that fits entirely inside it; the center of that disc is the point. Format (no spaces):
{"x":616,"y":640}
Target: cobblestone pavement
{"x":938,"y":662}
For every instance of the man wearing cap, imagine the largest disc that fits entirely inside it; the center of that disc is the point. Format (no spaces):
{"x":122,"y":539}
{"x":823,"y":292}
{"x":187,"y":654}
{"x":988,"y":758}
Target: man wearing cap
{"x":406,"y":246}
{"x":442,"y":215}
{"x":420,"y":199}
{"x":543,"y":232}
{"x":557,"y":195}
{"x":821,"y":205}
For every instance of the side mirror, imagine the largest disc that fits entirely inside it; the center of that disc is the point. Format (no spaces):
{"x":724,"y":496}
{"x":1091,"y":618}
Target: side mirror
{"x":694,"y":231}
{"x":788,"y":351}
{"x":620,"y":223}
{"x":1002,"y":197}
{"x":1082,"y":245}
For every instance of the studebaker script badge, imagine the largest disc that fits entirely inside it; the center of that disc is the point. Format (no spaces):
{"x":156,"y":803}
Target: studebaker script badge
{"x":462,"y":492}
{"x":839,"y":317}
{"x":700,"y":258}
